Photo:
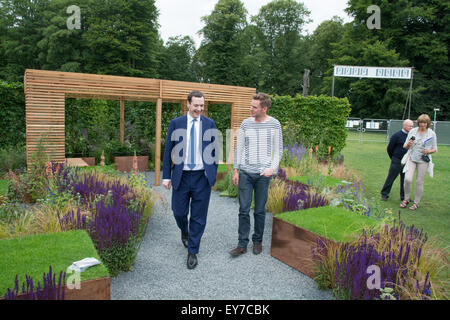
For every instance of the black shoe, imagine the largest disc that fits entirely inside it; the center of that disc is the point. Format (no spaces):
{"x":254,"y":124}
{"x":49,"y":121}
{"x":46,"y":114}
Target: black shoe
{"x":184,"y":239}
{"x":383,"y":198}
{"x":191,"y":261}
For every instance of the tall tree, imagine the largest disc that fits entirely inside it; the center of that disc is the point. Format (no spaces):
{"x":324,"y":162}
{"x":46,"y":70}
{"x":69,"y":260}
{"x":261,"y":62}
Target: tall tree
{"x":60,"y":47}
{"x":279,"y":24}
{"x":24,"y":22}
{"x":378,"y":98}
{"x":177,"y":59}
{"x":420,"y":31}
{"x":319,"y":48}
{"x":122,"y":38}
{"x":220,"y":52}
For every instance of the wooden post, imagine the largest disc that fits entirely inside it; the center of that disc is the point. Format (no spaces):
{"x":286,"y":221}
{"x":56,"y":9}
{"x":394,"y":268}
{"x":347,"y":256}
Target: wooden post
{"x":306,"y":83}
{"x":205,"y":110}
{"x":184,"y":107}
{"x":122,"y":120}
{"x":158,"y":142}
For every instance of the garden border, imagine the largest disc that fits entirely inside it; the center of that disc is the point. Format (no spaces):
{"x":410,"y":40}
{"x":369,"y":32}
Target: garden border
{"x":292,"y":245}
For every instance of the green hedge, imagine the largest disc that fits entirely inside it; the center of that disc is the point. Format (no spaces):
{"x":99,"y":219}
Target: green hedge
{"x":92,"y":126}
{"x":312,"y":120}
{"x":12,"y":110}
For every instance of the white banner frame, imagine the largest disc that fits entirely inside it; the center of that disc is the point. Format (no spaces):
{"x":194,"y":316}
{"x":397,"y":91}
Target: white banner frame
{"x":372,"y":72}
{"x":396,"y":73}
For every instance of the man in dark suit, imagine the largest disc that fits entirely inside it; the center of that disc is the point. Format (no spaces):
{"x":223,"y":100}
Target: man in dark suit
{"x":396,"y":152}
{"x":190,"y":164}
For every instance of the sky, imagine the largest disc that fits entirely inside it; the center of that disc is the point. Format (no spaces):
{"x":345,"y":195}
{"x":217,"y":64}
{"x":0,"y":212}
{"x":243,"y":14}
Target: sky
{"x":183,"y":17}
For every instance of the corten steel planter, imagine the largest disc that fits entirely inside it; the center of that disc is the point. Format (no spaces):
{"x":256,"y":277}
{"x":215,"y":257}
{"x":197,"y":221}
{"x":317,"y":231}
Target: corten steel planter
{"x":89,"y":160}
{"x":125,"y":163}
{"x":96,"y":289}
{"x":292,"y":245}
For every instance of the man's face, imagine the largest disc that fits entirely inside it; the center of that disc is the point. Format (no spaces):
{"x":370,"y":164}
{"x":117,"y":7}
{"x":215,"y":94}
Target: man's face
{"x":408,"y":125}
{"x":256,"y":110}
{"x":196,"y":107}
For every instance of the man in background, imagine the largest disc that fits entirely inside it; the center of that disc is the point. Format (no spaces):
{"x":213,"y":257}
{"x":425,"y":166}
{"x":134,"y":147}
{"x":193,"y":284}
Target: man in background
{"x":396,"y":152}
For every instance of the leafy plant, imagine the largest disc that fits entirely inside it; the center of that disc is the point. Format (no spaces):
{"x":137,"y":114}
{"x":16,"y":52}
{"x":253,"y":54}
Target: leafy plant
{"x":13,"y":158}
{"x":19,"y":187}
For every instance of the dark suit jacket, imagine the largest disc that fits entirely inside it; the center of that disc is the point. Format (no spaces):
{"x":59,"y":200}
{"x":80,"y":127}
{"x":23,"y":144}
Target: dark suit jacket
{"x":395,"y":147}
{"x":176,"y":144}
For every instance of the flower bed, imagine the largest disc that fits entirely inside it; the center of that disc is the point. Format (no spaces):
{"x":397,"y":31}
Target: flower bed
{"x":295,"y":233}
{"x":34,"y":254}
{"x":114,"y":214}
{"x":351,"y":244}
{"x":385,"y":260}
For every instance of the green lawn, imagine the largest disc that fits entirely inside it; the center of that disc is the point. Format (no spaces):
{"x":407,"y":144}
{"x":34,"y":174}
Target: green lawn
{"x":330,"y":222}
{"x":327,"y":181}
{"x":4,"y":187}
{"x":33,"y":255}
{"x":371,"y":162}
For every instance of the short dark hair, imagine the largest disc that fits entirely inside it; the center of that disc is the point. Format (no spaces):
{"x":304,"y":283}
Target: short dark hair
{"x":195,"y":93}
{"x":264,"y":99}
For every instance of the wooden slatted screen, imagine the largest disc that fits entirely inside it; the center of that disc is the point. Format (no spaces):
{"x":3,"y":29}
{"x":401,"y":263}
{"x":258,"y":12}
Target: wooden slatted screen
{"x":45,"y":93}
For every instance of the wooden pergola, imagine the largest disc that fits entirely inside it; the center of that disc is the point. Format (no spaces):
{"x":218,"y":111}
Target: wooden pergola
{"x":46,"y":91}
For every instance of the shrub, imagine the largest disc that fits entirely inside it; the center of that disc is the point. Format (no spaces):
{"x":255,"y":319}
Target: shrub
{"x":116,"y":217}
{"x":313,"y":120}
{"x":13,"y":158}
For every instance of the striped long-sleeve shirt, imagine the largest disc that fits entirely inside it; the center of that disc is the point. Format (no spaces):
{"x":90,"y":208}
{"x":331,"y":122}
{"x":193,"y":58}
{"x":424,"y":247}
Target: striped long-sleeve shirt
{"x":259,"y":145}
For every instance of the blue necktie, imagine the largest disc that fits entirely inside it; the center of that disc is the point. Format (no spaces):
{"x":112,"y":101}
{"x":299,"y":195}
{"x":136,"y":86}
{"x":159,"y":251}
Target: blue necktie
{"x":191,"y":163}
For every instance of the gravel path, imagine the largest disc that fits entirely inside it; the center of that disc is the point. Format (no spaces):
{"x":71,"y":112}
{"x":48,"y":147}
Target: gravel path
{"x":160,"y":270}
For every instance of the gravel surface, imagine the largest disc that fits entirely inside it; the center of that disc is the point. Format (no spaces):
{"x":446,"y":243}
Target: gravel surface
{"x":160,"y":270}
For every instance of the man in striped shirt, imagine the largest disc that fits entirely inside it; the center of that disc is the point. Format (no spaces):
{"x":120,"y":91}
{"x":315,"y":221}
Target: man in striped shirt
{"x":256,"y":159}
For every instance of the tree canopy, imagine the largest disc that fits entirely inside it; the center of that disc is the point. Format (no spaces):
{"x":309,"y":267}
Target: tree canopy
{"x":269,"y":51}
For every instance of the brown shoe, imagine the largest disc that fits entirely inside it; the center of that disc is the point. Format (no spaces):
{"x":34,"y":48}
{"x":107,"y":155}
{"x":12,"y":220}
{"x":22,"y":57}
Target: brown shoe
{"x":238,"y":251}
{"x":257,"y":248}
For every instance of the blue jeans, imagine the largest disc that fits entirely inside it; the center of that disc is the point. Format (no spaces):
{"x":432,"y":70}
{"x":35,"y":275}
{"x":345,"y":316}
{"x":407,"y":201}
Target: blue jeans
{"x":249,"y":182}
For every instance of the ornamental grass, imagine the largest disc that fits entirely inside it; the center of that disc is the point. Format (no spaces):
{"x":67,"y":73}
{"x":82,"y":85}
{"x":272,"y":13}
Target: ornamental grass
{"x":297,"y":195}
{"x":406,"y":265}
{"x":114,"y":214}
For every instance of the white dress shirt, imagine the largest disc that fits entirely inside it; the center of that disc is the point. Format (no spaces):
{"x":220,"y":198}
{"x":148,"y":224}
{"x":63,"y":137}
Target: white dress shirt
{"x":198,"y":149}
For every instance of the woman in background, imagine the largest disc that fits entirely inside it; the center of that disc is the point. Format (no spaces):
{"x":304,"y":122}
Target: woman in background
{"x":422,"y":142}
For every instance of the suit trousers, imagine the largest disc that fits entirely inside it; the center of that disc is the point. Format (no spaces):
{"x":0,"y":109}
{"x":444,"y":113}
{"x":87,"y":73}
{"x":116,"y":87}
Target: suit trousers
{"x":395,"y":169}
{"x":193,"y":193}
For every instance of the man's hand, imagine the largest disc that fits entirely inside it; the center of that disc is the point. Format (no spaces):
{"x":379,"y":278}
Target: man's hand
{"x":268,"y":172}
{"x":235,"y":178}
{"x":167,"y":184}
